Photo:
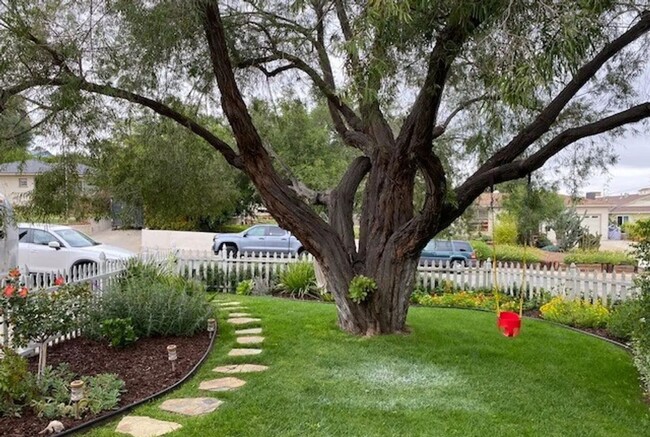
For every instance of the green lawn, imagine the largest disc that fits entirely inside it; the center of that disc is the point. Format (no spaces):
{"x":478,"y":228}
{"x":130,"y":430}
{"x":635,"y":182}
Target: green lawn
{"x":454,"y":375}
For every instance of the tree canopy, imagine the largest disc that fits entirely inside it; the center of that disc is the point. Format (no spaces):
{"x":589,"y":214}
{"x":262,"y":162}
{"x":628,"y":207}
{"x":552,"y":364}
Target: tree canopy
{"x":456,"y":95}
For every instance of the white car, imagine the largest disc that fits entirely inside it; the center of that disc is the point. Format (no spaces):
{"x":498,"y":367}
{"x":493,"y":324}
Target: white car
{"x":53,"y":248}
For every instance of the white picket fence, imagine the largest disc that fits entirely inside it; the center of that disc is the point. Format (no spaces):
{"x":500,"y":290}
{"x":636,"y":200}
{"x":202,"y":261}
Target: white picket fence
{"x":225,"y":271}
{"x":510,"y":278}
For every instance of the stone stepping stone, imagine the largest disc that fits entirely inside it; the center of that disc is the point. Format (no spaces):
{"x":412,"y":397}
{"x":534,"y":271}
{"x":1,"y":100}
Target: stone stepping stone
{"x":244,"y":352}
{"x":229,"y":304}
{"x":191,"y":406}
{"x":240,"y":368}
{"x":234,"y":308}
{"x":222,"y":384}
{"x":251,"y":339}
{"x":249,"y":331}
{"x":142,"y":426}
{"x":243,"y":320}
{"x":239,"y":315}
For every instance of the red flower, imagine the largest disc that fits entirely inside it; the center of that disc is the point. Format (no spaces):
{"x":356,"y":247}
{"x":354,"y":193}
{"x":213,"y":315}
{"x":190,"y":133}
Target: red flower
{"x":59,"y":281}
{"x":14,"y":273}
{"x":23,"y":292}
{"x":9,"y":291}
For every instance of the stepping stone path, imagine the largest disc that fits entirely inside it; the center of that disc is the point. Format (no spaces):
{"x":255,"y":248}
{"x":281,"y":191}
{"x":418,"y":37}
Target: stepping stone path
{"x":243,"y":320}
{"x":222,"y":384}
{"x":240,"y":368}
{"x":252,"y":339}
{"x":249,"y":331}
{"x":244,"y":352}
{"x":191,"y":406}
{"x":142,"y":426}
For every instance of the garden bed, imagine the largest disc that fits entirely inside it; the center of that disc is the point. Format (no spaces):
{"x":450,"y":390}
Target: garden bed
{"x":143,"y":367}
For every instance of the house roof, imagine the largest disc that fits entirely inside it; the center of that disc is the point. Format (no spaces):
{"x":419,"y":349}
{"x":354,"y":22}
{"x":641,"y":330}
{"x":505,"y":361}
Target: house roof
{"x":624,"y":203}
{"x":33,"y":167}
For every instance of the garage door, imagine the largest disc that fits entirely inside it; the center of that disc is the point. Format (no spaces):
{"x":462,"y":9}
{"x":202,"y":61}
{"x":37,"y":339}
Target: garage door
{"x":592,"y":222}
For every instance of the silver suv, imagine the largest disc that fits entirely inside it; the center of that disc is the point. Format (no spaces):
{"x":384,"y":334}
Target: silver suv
{"x":258,"y":239}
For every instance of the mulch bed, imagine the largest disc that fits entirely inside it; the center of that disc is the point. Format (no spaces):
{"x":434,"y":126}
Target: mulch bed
{"x":143,"y":367}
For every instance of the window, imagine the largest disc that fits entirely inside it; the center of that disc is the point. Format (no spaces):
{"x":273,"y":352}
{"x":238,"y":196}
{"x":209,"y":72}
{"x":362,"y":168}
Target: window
{"x":75,"y":238}
{"x":258,"y":231}
{"x":22,"y":182}
{"x":443,"y":246}
{"x":462,"y":246}
{"x":430,"y":247}
{"x":24,"y":236}
{"x":42,"y":237}
{"x":621,"y":219}
{"x":276,"y":231}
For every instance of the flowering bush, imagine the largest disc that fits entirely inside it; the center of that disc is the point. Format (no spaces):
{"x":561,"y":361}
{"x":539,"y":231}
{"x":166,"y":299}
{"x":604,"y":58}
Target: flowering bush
{"x":13,"y":292}
{"x":465,"y":299}
{"x":578,"y":313}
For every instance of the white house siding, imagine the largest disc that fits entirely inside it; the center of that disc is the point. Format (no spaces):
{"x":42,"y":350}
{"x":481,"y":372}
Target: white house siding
{"x":10,"y":186}
{"x":596,"y":219}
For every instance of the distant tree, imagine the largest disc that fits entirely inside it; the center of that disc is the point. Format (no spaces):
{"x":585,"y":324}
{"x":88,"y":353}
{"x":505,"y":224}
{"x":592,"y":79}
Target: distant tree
{"x":15,"y":131}
{"x":176,"y":179}
{"x":530,"y":206}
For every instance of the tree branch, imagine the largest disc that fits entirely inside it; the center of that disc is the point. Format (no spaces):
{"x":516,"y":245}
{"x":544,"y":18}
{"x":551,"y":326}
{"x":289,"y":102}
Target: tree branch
{"x":470,"y":190}
{"x":341,"y":202}
{"x":549,"y":114}
{"x":417,"y":130}
{"x":442,"y":127}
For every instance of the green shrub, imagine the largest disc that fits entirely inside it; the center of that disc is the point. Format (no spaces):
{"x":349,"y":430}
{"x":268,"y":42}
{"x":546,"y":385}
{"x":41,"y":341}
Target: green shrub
{"x":245,"y":288}
{"x":624,"y":319}
{"x":578,"y":313}
{"x":599,"y":257}
{"x":119,"y":332}
{"x":16,"y":383}
{"x":507,"y":252}
{"x":505,"y":230}
{"x":232,"y":229}
{"x":101,"y":393}
{"x":361,"y":287}
{"x":299,"y":280}
{"x":158,"y":303}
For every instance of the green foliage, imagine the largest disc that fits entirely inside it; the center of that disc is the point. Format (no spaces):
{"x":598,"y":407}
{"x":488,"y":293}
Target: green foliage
{"x":505,"y":230}
{"x":158,"y":166}
{"x":119,"y":332}
{"x":578,"y":313}
{"x":299,"y":280}
{"x":624,"y":319}
{"x":302,"y":138}
{"x":232,"y":229}
{"x":599,"y":257}
{"x":245,"y":288}
{"x":530,"y":207}
{"x":589,"y":242}
{"x":102,"y":392}
{"x":157,"y":301}
{"x":506,"y":252}
{"x":361,"y":287}
{"x":17,"y":385}
{"x":641,"y":333}
{"x":15,"y":134}
{"x":568,"y":229}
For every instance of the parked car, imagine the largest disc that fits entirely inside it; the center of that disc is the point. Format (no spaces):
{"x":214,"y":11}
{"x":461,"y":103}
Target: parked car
{"x":52,"y":248}
{"x":258,"y":239}
{"x":456,"y":253}
{"x":8,"y":237}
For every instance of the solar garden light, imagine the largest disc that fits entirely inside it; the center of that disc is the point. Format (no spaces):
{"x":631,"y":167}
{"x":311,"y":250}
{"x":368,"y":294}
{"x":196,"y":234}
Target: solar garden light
{"x":76,"y":394}
{"x":212,"y":326}
{"x":172,"y":356}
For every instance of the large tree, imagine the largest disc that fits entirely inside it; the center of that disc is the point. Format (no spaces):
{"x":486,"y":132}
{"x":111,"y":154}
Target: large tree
{"x":507,"y":84}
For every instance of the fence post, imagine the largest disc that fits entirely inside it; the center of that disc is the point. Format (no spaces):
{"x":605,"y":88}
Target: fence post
{"x":573,"y":277}
{"x":487,"y":279}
